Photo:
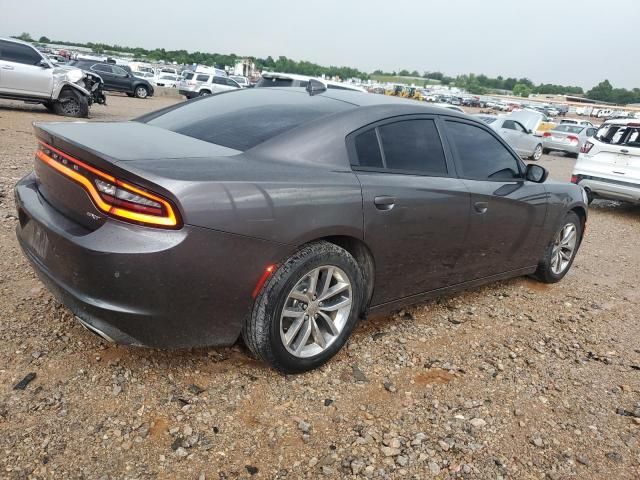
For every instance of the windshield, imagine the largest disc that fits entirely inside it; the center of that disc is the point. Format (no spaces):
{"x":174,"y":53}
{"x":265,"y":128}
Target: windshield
{"x":617,"y":134}
{"x":568,"y":128}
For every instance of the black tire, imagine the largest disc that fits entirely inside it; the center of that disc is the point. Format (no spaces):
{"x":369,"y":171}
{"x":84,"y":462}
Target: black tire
{"x":49,"y":106}
{"x":261,"y":332}
{"x":545,"y":151}
{"x":140,"y":91}
{"x":71,"y":104}
{"x":204,"y":93}
{"x":129,"y":94}
{"x":544,"y":273}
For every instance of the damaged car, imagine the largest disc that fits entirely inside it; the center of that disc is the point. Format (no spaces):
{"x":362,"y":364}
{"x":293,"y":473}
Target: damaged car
{"x":27,"y":75}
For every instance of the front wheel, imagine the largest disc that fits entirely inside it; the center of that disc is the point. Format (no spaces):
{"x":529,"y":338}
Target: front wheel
{"x":537,"y":153}
{"x":560,"y":253}
{"x":71,"y":103}
{"x":307,"y":309}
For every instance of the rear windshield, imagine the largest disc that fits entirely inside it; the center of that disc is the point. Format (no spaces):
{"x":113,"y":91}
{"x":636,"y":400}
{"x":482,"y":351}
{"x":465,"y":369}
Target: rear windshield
{"x":619,"y":134}
{"x":188,"y":76}
{"x":242,"y":119}
{"x":568,"y":128}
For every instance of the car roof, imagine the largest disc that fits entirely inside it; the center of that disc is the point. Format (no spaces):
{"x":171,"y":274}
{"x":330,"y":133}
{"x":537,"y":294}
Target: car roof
{"x":305,"y":78}
{"x":15,"y":40}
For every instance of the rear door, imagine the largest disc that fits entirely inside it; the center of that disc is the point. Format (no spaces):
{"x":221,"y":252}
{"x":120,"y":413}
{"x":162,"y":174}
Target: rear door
{"x":21,"y":73}
{"x":416,"y":211}
{"x":121,"y":79}
{"x":507,"y":211}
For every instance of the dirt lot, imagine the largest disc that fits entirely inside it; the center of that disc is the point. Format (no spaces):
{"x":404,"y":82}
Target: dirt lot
{"x":514,"y":380}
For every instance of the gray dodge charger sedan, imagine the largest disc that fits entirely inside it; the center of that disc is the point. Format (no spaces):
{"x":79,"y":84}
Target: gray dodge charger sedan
{"x":283,"y":215}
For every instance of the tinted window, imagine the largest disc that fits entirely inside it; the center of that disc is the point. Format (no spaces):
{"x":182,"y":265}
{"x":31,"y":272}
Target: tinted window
{"x":480,"y":154}
{"x":242,"y":119}
{"x":368,"y":149}
{"x":119,"y":71}
{"x":232,"y":83}
{"x":15,"y":52}
{"x":202,"y":78}
{"x":413,"y":145}
{"x":220,"y":80}
{"x":102,"y":68}
{"x":509,"y":125}
{"x":188,"y":76}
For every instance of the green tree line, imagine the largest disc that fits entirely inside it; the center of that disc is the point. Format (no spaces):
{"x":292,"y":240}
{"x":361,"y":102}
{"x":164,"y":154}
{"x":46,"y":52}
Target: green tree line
{"x":476,"y":84}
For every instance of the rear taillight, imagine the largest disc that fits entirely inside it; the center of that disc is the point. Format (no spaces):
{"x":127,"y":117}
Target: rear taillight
{"x":575,"y":179}
{"x":586,"y":148}
{"x":111,"y":195}
{"x":546,"y":134}
{"x":573,"y":138}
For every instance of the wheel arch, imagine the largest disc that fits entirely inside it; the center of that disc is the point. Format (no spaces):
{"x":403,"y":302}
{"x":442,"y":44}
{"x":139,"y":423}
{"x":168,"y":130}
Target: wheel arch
{"x":362,"y":254}
{"x":581,"y":212}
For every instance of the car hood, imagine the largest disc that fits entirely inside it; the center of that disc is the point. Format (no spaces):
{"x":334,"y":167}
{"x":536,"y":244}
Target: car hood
{"x":528,"y":118}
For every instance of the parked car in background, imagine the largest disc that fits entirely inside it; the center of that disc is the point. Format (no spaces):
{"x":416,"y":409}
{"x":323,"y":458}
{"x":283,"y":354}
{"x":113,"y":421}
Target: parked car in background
{"x":167,"y":80}
{"x":241,"y":80}
{"x":608,"y":165}
{"x":117,"y":78}
{"x":25,"y":74}
{"x":533,"y":120}
{"x":449,"y":106}
{"x":274,"y":79}
{"x":471,"y":102}
{"x":202,"y":84}
{"x":573,"y":121}
{"x":520,"y":138}
{"x":146,"y":75}
{"x":488,"y":119}
{"x":267,"y":213}
{"x":566,"y":138}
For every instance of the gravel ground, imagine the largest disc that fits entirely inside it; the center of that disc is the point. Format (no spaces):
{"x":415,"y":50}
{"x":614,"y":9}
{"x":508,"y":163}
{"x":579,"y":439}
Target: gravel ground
{"x":513,"y":380}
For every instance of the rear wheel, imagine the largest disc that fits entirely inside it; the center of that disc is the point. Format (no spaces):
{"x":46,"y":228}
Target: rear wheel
{"x":204,"y":93}
{"x":71,"y":104}
{"x":545,"y":151}
{"x":307,"y":309}
{"x":562,"y":250}
{"x":141,"y":92}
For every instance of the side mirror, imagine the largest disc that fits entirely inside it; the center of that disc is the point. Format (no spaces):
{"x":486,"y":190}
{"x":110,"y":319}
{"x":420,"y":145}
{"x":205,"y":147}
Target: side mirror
{"x":530,"y":132}
{"x":44,"y":64}
{"x":536,"y":173}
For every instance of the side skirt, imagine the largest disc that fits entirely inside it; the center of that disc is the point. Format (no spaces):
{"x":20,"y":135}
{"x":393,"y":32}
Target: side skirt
{"x":421,"y":297}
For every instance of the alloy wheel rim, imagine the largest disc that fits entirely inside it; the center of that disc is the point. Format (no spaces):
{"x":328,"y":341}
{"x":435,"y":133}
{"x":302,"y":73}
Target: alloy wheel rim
{"x":538,"y":152}
{"x":563,"y":248}
{"x":141,"y":92}
{"x":71,"y":107}
{"x":316,"y":311}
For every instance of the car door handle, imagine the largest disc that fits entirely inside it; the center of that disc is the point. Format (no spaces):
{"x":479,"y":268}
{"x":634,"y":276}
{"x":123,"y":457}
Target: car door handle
{"x":7,"y":67}
{"x":384,"y":202}
{"x":481,"y":207}
{"x":624,"y":150}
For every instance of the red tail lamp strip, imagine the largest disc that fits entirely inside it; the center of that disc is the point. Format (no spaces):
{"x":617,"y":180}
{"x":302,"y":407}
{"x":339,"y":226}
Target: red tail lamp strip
{"x":267,"y":273}
{"x":162,"y":217}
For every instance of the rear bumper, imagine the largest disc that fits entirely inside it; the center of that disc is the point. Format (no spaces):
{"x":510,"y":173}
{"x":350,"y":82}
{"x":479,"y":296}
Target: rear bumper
{"x":609,"y":188}
{"x":562,"y":147}
{"x":144,"y":286}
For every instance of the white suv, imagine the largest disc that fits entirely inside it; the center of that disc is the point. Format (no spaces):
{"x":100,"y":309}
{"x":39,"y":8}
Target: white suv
{"x":199,"y":84}
{"x":609,"y":163}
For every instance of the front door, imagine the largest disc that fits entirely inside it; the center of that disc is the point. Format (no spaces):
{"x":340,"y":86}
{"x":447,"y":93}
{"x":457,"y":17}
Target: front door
{"x":415,"y":211}
{"x":21,"y":73}
{"x":507,"y":212}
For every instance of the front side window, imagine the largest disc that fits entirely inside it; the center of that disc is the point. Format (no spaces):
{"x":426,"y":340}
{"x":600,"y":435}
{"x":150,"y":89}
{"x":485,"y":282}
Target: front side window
{"x":18,"y":53}
{"x":408,"y":146}
{"x":480,"y":154}
{"x":102,"y":68}
{"x":119,"y":71}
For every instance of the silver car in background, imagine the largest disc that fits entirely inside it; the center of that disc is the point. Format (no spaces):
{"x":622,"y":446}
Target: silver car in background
{"x":567,"y":138}
{"x":521,"y":139}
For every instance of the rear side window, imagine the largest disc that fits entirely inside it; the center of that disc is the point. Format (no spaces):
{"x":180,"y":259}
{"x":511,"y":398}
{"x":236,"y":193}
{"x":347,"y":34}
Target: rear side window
{"x":509,"y":125}
{"x":409,"y":145}
{"x":413,"y":145}
{"x":202,"y":78}
{"x":619,"y":134}
{"x":18,"y":53}
{"x":243,"y":118}
{"x":480,"y":154}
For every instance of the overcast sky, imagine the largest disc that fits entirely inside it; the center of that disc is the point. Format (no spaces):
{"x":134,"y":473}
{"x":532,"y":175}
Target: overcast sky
{"x":578,"y":42}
